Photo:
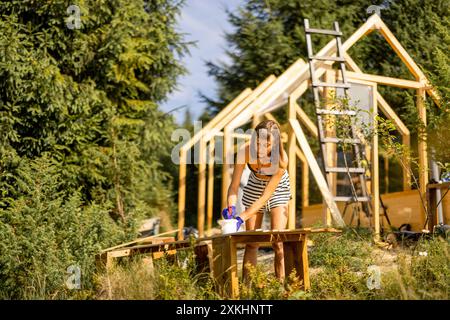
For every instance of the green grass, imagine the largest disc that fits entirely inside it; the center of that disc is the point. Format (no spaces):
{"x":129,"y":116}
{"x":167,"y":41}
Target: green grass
{"x":339,"y":270}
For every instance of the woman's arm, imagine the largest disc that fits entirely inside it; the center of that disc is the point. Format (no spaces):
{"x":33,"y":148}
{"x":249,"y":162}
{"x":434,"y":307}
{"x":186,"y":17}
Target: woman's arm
{"x":268,"y":191}
{"x":237,"y":174}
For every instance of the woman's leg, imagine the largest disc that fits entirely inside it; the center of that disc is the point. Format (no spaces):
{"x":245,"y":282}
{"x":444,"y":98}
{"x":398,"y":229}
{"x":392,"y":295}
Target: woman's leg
{"x":251,"y":250}
{"x":278,"y":220}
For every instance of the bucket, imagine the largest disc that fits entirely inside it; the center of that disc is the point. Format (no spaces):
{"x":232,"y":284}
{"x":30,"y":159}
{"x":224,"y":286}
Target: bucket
{"x":228,"y":226}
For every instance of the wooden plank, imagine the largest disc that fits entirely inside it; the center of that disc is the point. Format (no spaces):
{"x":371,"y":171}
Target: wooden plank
{"x":317,"y":173}
{"x":210,"y":194}
{"x":305,"y":177}
{"x":394,"y":82}
{"x":228,"y":156}
{"x":182,"y":194}
{"x":288,"y":252}
{"x":423,"y":155}
{"x":201,"y":188}
{"x":303,"y":263}
{"x":406,"y":168}
{"x":375,"y":168}
{"x":331,"y":159}
{"x":152,"y":239}
{"x":292,"y":166}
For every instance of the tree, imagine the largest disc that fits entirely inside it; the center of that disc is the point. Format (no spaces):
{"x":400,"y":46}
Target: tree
{"x":268,"y":36}
{"x":86,"y":100}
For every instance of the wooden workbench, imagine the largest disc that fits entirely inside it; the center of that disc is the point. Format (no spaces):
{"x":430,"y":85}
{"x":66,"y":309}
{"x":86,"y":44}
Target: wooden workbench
{"x":224,"y":258}
{"x":218,"y":254}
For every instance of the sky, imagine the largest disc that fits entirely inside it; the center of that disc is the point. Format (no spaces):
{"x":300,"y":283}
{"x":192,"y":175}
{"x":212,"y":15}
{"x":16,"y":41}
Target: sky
{"x":203,"y":21}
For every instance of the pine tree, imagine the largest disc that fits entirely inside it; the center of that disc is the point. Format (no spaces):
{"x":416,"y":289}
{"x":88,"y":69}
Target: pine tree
{"x":80,"y":126}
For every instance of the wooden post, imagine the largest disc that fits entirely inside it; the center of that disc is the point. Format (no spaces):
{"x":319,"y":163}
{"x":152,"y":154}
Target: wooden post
{"x":423,"y":156}
{"x":210,"y":202}
{"x":292,"y":165}
{"x":406,"y":140}
{"x":331,"y":158}
{"x":375,"y":168}
{"x":201,"y":188}
{"x":305,"y":177}
{"x":182,"y":194}
{"x":226,"y":179}
{"x":386,"y":173}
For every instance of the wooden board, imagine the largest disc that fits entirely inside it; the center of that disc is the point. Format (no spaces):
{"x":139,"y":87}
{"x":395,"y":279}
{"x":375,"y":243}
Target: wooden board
{"x":403,"y":207}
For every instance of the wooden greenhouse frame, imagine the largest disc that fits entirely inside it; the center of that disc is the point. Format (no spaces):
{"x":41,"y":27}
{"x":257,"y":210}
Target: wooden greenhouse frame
{"x":253,"y":105}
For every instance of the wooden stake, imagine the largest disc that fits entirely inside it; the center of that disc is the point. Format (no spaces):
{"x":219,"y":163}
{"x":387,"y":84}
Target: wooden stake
{"x":375,"y":169}
{"x":305,"y":177}
{"x":182,"y":194}
{"x":210,"y":203}
{"x":331,"y":158}
{"x":292,"y":165}
{"x":423,"y":155}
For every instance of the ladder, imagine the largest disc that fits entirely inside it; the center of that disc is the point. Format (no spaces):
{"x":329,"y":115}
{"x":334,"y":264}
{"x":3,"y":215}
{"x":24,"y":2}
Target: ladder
{"x":355,"y":170}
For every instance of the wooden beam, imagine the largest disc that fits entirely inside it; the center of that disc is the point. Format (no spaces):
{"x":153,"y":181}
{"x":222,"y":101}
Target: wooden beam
{"x":292,"y":166}
{"x":227,"y":162}
{"x":394,"y":82}
{"x":210,"y":195}
{"x":305,"y":177}
{"x":182,"y":194}
{"x":317,"y":173}
{"x":201,"y":188}
{"x":406,"y":140}
{"x":423,"y":155}
{"x":331,"y":159}
{"x":276,"y":89}
{"x":375,"y":175}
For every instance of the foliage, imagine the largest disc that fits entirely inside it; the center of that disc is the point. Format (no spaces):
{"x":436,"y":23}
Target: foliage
{"x":79,"y":111}
{"x":45,"y":229}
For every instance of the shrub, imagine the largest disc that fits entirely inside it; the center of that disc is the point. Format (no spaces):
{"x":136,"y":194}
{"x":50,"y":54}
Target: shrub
{"x":46,"y":229}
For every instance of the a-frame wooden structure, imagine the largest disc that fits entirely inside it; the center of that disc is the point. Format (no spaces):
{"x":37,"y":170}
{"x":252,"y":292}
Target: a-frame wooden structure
{"x":275,"y":92}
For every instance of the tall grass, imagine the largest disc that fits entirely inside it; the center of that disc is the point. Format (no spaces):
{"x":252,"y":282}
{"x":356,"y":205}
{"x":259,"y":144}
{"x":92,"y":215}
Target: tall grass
{"x":339,"y":267}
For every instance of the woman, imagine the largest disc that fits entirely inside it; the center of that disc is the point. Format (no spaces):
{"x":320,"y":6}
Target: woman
{"x":268,"y":189}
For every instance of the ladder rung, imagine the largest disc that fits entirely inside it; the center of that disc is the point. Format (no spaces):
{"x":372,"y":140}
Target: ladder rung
{"x":336,"y":112}
{"x":345,"y":170}
{"x":327,"y":58}
{"x":323,"y":31}
{"x":343,"y":140}
{"x":334,"y":85}
{"x":349,"y":198}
